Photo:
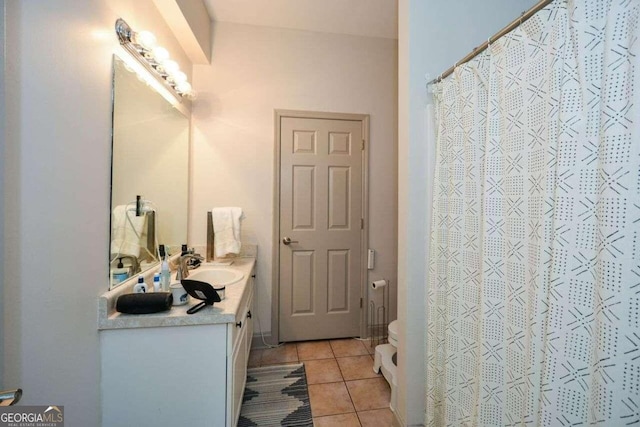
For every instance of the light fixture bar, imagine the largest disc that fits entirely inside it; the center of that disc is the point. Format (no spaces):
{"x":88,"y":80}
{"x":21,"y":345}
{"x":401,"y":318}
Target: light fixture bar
{"x":155,"y":59}
{"x":149,"y":77}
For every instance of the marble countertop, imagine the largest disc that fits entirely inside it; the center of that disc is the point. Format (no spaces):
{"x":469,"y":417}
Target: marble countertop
{"x":225,"y":311}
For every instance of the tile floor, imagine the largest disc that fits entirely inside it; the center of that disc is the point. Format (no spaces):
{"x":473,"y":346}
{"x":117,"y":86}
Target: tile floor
{"x":343,"y":389}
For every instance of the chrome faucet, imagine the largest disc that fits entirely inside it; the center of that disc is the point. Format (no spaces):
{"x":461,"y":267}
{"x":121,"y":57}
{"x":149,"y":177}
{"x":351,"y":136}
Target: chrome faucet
{"x":183,"y":267}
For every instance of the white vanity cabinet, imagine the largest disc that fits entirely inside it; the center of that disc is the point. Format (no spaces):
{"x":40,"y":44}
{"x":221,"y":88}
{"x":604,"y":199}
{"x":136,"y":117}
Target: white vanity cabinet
{"x":177,"y":374}
{"x":240,"y":343}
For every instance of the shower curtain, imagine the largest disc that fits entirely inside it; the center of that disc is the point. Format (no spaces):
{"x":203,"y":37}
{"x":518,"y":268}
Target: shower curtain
{"x":533,"y":302}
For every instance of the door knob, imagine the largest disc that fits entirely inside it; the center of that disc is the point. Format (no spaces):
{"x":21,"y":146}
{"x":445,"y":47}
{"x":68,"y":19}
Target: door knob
{"x":288,"y":241}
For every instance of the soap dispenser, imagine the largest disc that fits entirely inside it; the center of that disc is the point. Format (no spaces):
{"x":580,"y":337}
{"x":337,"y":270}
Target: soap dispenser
{"x":120,"y":274}
{"x":140,"y":287}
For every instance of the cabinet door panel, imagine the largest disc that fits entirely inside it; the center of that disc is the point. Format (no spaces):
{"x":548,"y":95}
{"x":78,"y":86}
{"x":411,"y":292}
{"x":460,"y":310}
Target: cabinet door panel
{"x":239,"y":375}
{"x":133,"y":392}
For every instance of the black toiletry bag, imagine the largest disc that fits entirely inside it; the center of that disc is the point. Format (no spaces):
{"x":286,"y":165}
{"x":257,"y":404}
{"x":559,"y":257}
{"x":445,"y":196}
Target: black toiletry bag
{"x":144,"y":303}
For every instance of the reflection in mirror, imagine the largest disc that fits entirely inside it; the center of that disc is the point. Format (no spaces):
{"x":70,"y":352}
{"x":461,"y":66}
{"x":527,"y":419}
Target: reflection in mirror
{"x":149,"y":175}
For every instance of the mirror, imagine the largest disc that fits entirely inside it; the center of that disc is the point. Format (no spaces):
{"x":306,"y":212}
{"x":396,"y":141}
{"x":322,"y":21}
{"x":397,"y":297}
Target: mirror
{"x":150,"y":160}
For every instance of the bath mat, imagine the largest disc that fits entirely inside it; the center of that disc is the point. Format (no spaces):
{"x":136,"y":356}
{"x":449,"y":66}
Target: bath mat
{"x":276,"y":396}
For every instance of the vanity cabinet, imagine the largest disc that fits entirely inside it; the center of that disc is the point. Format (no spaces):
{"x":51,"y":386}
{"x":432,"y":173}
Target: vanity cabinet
{"x":240,"y":343}
{"x":177,"y":375}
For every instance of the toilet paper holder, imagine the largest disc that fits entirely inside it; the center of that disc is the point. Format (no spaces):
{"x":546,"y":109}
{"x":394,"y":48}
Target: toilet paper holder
{"x":379,"y":316}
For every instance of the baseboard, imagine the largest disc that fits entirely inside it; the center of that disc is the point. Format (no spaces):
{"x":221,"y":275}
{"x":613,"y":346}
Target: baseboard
{"x":397,"y":420}
{"x":256,"y":340}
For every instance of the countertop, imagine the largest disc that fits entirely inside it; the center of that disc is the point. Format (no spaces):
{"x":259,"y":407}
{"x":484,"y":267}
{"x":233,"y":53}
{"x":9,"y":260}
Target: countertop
{"x":225,"y":311}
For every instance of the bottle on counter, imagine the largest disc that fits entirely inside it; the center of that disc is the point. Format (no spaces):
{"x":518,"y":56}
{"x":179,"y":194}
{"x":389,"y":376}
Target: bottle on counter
{"x":156,"y":283}
{"x":140,"y":287}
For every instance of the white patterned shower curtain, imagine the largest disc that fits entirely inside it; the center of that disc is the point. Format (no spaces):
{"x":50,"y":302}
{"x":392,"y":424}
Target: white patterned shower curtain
{"x":533,"y":310}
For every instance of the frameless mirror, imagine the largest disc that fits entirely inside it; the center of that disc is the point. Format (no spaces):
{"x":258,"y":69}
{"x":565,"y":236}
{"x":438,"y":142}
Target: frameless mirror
{"x":149,"y":175}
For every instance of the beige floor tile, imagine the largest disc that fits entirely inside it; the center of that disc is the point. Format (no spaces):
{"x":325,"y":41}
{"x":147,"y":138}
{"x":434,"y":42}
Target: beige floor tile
{"x":329,"y":399}
{"x":369,"y":394}
{"x":286,"y":353}
{"x":348,"y":347}
{"x":322,"y":371}
{"x":371,"y":349}
{"x":255,"y":357}
{"x":312,"y":350}
{"x":376,"y":418}
{"x":343,"y":420}
{"x":356,"y":367}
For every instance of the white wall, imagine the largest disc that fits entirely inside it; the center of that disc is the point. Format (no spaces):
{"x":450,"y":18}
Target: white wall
{"x":432,"y":36}
{"x":56,"y":199}
{"x":255,"y":70}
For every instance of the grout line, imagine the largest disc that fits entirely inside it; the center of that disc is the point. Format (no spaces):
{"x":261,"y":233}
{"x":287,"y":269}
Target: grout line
{"x":343,"y":380}
{"x":341,"y":374}
{"x":331,"y":382}
{"x":320,"y":358}
{"x":331,"y":349}
{"x":349,"y":392}
{"x":358,"y":416}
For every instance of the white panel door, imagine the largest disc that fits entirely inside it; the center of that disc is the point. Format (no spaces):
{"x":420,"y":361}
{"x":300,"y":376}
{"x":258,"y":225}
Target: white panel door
{"x":320,"y":213}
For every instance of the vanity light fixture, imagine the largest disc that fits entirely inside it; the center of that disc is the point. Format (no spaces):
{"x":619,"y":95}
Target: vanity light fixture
{"x":155,"y":59}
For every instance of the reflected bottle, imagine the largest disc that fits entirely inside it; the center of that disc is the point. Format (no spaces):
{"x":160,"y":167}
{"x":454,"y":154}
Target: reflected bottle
{"x":165,"y":272}
{"x":119,"y":274}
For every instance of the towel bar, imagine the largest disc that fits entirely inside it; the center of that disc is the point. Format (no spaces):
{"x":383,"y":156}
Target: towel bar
{"x":10,"y":397}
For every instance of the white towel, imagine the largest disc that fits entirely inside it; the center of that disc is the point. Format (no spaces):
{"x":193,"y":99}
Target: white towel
{"x":226,"y":226}
{"x":126,"y":235}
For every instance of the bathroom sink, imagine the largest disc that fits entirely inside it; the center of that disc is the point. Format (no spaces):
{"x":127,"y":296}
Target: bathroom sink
{"x":217,"y":276}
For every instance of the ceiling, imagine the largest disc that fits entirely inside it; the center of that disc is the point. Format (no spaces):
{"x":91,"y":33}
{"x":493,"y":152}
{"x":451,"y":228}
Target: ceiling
{"x":372,"y":18}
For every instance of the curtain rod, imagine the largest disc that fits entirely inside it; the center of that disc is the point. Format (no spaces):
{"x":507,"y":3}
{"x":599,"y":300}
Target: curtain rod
{"x":478,"y":50}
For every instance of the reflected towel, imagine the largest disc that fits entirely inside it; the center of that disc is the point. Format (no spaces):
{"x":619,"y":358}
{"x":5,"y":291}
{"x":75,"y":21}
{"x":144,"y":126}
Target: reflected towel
{"x":226,"y":226}
{"x":126,"y":231}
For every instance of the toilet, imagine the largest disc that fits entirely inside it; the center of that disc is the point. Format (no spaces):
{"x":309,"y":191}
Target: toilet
{"x":385,"y":361}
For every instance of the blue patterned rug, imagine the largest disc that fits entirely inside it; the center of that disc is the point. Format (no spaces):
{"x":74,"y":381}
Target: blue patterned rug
{"x":276,"y":396}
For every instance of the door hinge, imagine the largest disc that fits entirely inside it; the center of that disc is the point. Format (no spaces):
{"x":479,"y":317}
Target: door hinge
{"x":360,"y":302}
{"x":363,"y":144}
{"x":361,"y":223}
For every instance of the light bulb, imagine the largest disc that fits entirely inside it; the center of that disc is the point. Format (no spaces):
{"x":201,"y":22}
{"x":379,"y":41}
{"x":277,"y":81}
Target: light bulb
{"x":146,"y":39}
{"x":170,"y":67}
{"x":178,"y":77}
{"x":160,"y":54}
{"x":183,"y":87}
